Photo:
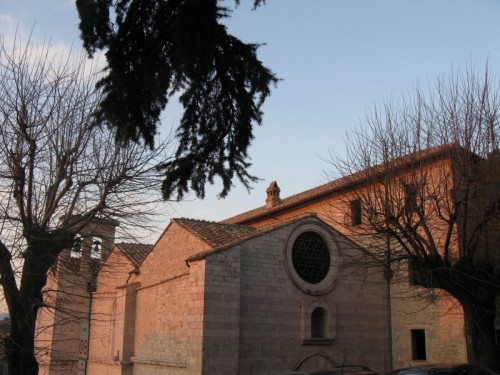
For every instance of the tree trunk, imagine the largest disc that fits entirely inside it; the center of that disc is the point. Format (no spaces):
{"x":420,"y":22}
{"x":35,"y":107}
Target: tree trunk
{"x":20,"y":348}
{"x":25,"y":302}
{"x":482,"y":348}
{"x":476,"y":288}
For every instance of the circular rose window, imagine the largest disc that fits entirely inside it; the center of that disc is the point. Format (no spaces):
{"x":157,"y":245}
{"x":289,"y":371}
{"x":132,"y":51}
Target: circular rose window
{"x":311,"y":258}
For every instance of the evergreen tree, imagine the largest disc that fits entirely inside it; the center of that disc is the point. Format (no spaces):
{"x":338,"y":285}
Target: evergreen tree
{"x":156,"y":48}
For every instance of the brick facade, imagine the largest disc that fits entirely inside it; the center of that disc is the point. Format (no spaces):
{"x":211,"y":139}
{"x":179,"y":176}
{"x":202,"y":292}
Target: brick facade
{"x":68,"y":295}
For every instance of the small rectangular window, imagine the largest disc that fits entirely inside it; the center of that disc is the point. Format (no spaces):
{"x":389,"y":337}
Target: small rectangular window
{"x":410,"y":198}
{"x":418,"y":352}
{"x":356,"y":212}
{"x":416,"y":274}
{"x":318,"y":323}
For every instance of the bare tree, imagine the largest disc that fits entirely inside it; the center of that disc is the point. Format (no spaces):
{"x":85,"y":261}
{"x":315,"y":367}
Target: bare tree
{"x":58,"y":172}
{"x":427,"y":177}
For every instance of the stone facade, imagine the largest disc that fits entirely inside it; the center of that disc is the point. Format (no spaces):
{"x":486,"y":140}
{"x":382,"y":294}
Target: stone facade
{"x":235,"y":308}
{"x":412,"y":307}
{"x":229,"y":298}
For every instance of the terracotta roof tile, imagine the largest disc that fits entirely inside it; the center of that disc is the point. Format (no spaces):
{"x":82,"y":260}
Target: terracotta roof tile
{"x":136,"y":252}
{"x":251,"y":233}
{"x":213,"y":233}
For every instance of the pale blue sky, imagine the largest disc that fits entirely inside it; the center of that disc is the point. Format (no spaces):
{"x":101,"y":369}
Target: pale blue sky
{"x":336,"y":58}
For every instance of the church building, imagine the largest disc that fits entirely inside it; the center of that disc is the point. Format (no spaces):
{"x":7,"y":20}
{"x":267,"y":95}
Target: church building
{"x":213,"y":298}
{"x":279,"y":288}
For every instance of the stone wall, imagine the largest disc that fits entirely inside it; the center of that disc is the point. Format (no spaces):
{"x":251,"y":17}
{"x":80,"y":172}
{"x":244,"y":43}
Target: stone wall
{"x":442,"y":319}
{"x":169,"y":307}
{"x":431,"y":310}
{"x":276,"y":314}
{"x":222,"y":303}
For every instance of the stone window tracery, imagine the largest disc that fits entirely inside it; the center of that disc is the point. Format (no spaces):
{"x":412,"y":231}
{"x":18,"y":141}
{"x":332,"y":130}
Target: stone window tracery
{"x":312,"y":259}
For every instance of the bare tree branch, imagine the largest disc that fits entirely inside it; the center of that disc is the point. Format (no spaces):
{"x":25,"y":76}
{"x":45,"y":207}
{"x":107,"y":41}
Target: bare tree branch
{"x":427,"y":172}
{"x":58,"y":173}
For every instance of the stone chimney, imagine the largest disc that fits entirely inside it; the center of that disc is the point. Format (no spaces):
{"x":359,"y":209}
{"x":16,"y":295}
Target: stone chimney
{"x":273,"y":195}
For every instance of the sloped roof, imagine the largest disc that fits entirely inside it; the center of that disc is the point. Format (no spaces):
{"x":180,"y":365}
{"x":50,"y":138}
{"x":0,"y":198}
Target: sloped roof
{"x":244,"y":234}
{"x":213,"y":233}
{"x":340,"y":184}
{"x":135,"y":252}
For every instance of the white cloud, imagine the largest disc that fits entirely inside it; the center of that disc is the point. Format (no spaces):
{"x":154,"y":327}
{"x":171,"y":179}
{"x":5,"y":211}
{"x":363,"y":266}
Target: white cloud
{"x":15,"y":37}
{"x":9,"y":26}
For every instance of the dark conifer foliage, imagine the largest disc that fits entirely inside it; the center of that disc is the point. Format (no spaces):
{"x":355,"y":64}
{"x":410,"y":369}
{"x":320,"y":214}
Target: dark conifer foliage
{"x":156,"y":48}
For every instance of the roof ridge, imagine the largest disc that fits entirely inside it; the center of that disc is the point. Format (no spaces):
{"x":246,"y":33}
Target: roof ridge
{"x":208,"y":222}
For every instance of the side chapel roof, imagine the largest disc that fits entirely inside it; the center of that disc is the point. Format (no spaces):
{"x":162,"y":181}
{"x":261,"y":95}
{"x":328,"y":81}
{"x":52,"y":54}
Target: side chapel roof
{"x":221,"y":236}
{"x":213,"y":233}
{"x":135,"y":252}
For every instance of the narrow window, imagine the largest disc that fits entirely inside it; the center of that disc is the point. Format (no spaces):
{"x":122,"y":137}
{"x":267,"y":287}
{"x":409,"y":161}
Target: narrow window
{"x":413,"y":274}
{"x":417,"y":274}
{"x":356,"y":212}
{"x":410,"y":198}
{"x":95,"y":252}
{"x":318,"y":323}
{"x":95,"y":255}
{"x":75,"y":254}
{"x":76,"y":250}
{"x":418,"y":352}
